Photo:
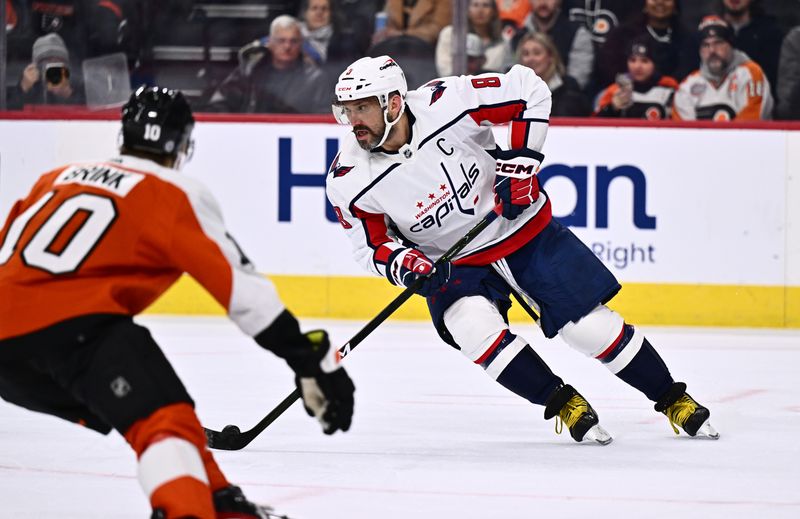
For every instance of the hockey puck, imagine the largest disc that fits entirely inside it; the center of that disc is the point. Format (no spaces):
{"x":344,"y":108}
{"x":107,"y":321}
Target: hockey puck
{"x":230,"y":430}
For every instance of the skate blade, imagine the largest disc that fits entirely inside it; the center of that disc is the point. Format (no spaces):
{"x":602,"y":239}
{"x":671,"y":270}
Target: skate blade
{"x":599,"y":435}
{"x":267,"y":512}
{"x":707,"y":431}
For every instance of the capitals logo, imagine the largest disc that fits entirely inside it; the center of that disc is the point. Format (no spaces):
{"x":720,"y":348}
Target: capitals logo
{"x":437,"y":88}
{"x":338,"y":170}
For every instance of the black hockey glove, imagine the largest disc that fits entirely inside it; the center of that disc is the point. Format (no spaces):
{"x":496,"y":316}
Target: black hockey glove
{"x":328,"y":396}
{"x":325,"y":387}
{"x":405,"y":266}
{"x":516,"y":183}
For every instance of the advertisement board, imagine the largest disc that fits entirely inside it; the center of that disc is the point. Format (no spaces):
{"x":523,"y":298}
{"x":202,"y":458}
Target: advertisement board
{"x":696,"y":223}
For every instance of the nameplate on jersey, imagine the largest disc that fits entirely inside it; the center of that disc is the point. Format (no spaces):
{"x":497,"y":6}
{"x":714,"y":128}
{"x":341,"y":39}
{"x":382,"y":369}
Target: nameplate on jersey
{"x":117,"y":181}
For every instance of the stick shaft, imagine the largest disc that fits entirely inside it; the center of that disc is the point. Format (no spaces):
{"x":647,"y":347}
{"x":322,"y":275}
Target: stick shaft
{"x":217,"y":440}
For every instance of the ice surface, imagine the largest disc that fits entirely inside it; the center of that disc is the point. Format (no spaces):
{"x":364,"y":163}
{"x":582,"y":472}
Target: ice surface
{"x":434,"y":437}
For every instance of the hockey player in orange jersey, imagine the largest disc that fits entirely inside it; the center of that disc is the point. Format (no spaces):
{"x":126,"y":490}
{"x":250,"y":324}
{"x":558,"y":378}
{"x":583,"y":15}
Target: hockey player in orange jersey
{"x":92,"y":245}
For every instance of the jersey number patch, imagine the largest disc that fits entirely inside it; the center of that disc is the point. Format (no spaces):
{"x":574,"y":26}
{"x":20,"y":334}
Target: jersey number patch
{"x":64,"y":241}
{"x":486,"y":82}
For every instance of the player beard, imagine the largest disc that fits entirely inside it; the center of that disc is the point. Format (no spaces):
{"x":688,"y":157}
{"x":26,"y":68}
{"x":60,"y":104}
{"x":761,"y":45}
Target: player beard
{"x":373,"y":138}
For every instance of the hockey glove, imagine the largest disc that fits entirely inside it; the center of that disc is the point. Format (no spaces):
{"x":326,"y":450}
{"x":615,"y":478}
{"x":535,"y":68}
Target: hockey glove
{"x":327,"y":396}
{"x":407,"y":265}
{"x":325,"y":387}
{"x":516,"y":183}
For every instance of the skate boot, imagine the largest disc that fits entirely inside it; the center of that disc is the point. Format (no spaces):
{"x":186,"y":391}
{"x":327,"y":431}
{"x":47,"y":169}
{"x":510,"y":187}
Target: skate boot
{"x":682,"y":410}
{"x":230,"y":503}
{"x":569,"y":407}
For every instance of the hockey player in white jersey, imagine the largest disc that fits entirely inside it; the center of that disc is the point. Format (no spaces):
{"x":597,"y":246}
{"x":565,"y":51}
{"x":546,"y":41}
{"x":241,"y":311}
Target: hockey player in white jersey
{"x":421,"y":169}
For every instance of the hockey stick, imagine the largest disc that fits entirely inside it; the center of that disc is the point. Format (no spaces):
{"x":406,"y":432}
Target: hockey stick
{"x":231,"y":438}
{"x":524,"y":304}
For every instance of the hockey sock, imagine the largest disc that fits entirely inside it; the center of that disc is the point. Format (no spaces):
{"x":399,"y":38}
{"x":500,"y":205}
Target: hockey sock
{"x":514,"y":364}
{"x":634,"y":360}
{"x":176,"y":470}
{"x":171,"y":474}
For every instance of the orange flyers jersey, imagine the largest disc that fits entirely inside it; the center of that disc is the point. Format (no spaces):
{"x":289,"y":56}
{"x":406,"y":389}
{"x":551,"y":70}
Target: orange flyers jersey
{"x":743,"y":95}
{"x":655,"y":103}
{"x":110,"y":237}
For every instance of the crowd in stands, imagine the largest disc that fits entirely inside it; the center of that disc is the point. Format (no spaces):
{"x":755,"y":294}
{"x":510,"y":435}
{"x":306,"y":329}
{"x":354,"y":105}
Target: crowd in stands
{"x":652,"y":59}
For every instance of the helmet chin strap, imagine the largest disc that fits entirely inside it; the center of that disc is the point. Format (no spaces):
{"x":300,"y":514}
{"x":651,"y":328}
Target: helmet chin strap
{"x":388,"y":123}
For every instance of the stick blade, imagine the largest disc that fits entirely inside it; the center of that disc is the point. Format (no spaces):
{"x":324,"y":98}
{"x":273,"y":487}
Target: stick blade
{"x":227,"y":440}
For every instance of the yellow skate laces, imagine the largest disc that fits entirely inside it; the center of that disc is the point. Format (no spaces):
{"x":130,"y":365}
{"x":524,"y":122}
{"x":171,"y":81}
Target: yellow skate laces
{"x":571,"y":413}
{"x":680,"y":411}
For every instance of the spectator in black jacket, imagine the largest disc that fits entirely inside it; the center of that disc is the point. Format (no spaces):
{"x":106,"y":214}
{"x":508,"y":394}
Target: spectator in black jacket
{"x":48,"y":78}
{"x":756,"y":34}
{"x":674,"y":47}
{"x":89,"y":28}
{"x":601,"y":17}
{"x":572,"y":39}
{"x":538,"y":52}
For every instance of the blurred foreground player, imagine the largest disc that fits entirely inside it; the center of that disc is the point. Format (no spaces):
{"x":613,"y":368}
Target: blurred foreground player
{"x":95,"y":243}
{"x":421,"y":169}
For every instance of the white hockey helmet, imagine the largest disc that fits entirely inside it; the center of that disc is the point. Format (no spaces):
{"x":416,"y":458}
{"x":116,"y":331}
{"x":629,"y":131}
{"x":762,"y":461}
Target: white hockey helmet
{"x":369,"y":77}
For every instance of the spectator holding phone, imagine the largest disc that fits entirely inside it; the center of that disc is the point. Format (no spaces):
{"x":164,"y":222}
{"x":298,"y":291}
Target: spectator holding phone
{"x":641,"y":92}
{"x":47,"y":79}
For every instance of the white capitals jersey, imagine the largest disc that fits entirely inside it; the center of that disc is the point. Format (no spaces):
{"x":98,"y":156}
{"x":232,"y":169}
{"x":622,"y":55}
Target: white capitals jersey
{"x":440,"y":184}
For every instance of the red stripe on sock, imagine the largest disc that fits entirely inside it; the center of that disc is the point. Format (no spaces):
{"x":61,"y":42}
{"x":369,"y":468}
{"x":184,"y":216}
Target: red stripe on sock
{"x":493,"y":347}
{"x":613,"y":344}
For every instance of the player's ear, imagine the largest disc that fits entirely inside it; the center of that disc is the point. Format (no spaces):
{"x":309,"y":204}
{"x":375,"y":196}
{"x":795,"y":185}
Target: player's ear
{"x":395,"y":104}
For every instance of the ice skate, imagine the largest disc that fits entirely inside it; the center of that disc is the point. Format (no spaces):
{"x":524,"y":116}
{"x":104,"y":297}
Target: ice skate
{"x":230,"y":503}
{"x":569,"y":407}
{"x":682,"y":410}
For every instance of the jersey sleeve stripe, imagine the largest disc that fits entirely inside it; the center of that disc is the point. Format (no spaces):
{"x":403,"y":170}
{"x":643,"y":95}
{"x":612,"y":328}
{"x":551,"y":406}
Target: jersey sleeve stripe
{"x":497,"y":114}
{"x":519,"y":134}
{"x":518,"y":104}
{"x":376,"y":234}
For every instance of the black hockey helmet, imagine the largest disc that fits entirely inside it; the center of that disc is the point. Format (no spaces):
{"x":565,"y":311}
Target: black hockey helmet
{"x":156,"y":120}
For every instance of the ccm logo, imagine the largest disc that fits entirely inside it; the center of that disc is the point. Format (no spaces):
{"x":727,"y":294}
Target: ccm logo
{"x":515,"y":169}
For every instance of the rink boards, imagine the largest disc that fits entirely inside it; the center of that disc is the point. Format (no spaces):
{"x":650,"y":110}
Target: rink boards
{"x":700,"y":224}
